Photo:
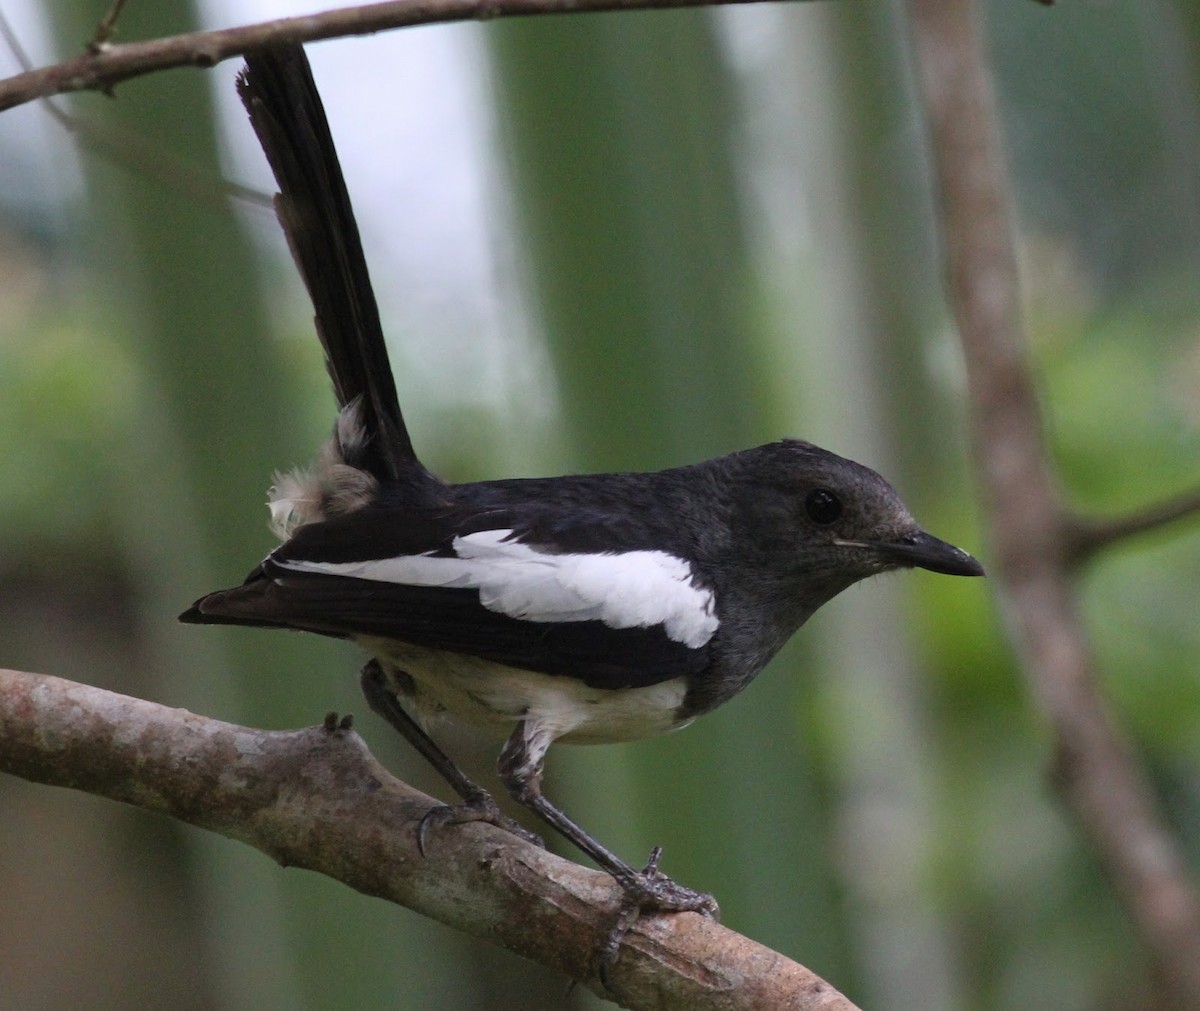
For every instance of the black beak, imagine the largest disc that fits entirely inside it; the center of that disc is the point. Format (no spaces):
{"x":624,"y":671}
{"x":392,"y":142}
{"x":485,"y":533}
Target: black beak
{"x":924,"y":551}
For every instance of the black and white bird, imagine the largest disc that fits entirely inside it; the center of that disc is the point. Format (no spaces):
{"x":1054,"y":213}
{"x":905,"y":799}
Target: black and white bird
{"x":590,"y":608}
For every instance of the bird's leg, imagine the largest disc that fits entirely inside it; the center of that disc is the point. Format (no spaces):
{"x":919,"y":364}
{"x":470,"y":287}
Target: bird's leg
{"x":477,"y":805}
{"x":521,"y":765}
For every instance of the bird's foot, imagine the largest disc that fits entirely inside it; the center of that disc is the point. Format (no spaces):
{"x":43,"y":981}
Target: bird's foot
{"x":650,"y":891}
{"x":653,"y":891}
{"x":479,"y":807}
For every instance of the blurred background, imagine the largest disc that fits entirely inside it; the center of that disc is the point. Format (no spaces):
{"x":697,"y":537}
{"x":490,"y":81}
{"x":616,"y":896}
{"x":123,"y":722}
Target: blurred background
{"x":600,"y":242}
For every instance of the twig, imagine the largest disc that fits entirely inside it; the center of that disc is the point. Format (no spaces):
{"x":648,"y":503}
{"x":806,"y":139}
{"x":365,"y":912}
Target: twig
{"x":137,"y":154}
{"x":317,"y":799}
{"x":1087,"y":537}
{"x":115,"y":63}
{"x":149,"y":159}
{"x":1096,"y":771}
{"x":106,"y":28}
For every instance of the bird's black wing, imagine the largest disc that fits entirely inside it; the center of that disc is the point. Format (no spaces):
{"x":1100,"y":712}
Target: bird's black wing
{"x":461,"y":580}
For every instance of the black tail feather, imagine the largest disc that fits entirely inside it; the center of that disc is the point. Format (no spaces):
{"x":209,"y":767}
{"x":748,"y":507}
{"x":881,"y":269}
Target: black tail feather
{"x":313,"y":206}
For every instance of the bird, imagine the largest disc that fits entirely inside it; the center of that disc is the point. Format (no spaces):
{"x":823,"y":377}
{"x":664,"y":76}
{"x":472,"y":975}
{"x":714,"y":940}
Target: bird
{"x":586,"y":608}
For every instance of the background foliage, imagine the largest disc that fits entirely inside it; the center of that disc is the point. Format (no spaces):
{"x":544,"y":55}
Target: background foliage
{"x":704,"y":230}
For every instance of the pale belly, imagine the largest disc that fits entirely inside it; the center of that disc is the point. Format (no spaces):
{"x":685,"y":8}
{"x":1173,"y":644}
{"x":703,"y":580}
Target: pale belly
{"x":494,"y":697}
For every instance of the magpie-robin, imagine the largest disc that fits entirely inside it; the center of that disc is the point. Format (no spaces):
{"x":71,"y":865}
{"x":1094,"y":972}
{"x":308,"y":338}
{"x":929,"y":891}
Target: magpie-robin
{"x":588,"y":608}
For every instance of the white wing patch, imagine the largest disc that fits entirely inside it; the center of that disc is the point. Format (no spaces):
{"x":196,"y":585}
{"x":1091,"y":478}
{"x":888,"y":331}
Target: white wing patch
{"x":633,"y":589}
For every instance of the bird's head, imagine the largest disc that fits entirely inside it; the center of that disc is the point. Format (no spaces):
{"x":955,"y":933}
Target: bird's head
{"x":823,"y":522}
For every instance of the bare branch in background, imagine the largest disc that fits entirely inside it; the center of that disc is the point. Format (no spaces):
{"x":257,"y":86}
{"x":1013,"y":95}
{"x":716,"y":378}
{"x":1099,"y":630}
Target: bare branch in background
{"x":134,"y":152}
{"x":1031,"y":531}
{"x":111,"y":64}
{"x":107,"y":27}
{"x":317,"y":799}
{"x":1087,"y":537}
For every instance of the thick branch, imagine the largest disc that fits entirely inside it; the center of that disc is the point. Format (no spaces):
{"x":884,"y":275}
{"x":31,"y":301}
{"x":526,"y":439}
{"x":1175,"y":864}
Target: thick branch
{"x":111,"y":64}
{"x":317,"y":799}
{"x":1030,"y":531}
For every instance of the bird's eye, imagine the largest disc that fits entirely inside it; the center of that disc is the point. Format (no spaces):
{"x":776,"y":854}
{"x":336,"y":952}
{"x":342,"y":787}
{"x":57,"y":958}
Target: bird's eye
{"x":823,"y":506}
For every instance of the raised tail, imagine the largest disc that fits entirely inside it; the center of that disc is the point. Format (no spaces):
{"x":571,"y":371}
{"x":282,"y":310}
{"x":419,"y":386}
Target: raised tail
{"x":313,"y":206}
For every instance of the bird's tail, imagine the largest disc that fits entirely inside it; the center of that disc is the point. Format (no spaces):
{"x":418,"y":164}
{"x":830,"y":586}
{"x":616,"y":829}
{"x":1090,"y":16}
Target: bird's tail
{"x":313,"y":206}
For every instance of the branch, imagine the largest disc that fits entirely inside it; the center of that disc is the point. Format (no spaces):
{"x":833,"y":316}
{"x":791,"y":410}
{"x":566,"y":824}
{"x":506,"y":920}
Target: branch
{"x":1096,"y":771}
{"x":132,"y":151}
{"x":107,"y":65}
{"x":1088,"y":537}
{"x":107,"y":27}
{"x":317,"y":799}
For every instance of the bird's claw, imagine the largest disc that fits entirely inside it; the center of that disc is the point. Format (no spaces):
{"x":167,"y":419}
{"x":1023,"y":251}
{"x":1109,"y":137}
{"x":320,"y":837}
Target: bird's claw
{"x":650,"y":891}
{"x":481,"y":807}
{"x":655,"y":892}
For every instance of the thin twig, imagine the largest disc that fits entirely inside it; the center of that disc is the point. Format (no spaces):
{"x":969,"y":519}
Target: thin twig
{"x":1087,"y":537}
{"x":317,"y":799}
{"x":136,"y":154}
{"x":148,"y":159}
{"x":1097,"y":773}
{"x":116,"y":63}
{"x":106,"y":28}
